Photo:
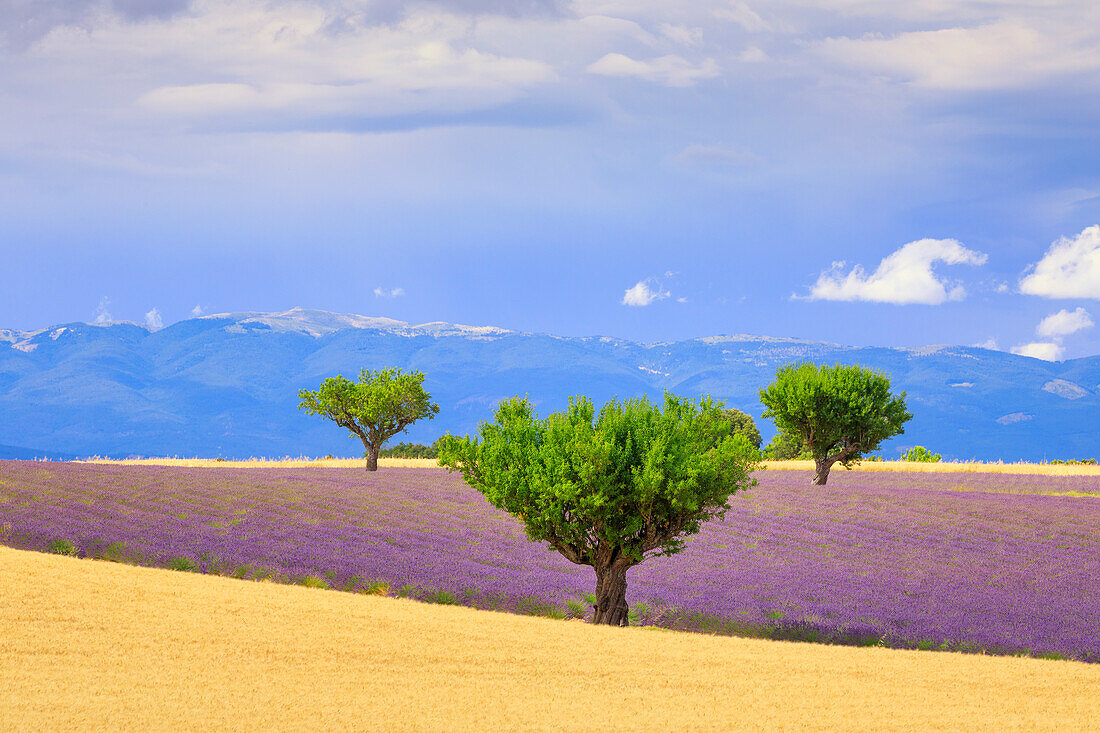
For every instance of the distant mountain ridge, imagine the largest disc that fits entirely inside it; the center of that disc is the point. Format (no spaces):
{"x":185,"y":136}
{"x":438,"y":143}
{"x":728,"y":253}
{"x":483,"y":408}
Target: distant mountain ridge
{"x":226,"y":384}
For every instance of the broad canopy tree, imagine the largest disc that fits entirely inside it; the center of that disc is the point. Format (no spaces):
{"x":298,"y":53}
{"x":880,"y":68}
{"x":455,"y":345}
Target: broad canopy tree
{"x":743,"y":423}
{"x":611,"y":489}
{"x":838,"y":412}
{"x":374,"y":409}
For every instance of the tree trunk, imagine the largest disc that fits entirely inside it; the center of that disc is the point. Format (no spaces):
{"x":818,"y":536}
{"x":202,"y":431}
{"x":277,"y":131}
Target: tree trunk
{"x":372,"y":457}
{"x":821,"y":470}
{"x":611,"y":608}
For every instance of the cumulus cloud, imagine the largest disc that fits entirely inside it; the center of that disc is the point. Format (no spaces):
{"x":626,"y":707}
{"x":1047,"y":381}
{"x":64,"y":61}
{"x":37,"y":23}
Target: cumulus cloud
{"x":153,"y":321}
{"x":904,"y":277}
{"x":197,"y":311}
{"x":1064,"y":322}
{"x":990,"y":343}
{"x":102,"y":312}
{"x":1054,"y":328}
{"x":1046,"y":350}
{"x":1069,"y":269}
{"x":381,"y":292}
{"x":644,"y":293}
{"x":670,"y":70}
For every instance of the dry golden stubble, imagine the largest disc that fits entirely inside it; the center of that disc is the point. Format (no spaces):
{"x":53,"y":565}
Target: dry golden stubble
{"x":1038,"y":469}
{"x":90,"y":644}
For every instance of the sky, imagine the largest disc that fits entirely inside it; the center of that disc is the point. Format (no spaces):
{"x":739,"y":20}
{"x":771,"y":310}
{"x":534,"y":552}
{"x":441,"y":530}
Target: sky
{"x":863,"y":172}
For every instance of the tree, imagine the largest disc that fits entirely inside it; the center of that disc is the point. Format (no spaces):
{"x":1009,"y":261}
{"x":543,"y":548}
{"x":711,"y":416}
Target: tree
{"x":920,"y":454}
{"x":377,"y":407}
{"x":743,"y":424}
{"x":786,"y":446}
{"x":609,"y":490}
{"x":839,"y":412}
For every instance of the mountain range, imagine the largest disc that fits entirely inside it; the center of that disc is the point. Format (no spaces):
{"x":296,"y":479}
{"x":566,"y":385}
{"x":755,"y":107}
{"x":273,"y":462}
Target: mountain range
{"x":226,"y":385}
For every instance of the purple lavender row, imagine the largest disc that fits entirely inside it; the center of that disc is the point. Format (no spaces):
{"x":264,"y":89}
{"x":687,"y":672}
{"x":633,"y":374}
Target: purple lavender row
{"x":977,"y":561}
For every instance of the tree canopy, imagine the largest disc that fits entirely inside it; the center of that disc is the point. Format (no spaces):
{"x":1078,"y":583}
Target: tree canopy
{"x":786,"y":446}
{"x":607,"y":490}
{"x":839,"y":412}
{"x":743,"y":424}
{"x":380,"y":405}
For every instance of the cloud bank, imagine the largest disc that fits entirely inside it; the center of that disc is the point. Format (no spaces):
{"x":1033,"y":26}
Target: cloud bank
{"x":902,"y":278}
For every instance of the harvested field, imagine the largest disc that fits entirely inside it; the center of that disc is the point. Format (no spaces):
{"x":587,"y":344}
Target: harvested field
{"x":977,"y":562}
{"x":1032,"y":469}
{"x":95,"y":645}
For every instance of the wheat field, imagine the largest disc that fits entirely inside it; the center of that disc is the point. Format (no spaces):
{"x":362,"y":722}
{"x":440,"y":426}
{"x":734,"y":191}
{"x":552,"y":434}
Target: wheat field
{"x":1040,"y":469}
{"x":90,"y":645}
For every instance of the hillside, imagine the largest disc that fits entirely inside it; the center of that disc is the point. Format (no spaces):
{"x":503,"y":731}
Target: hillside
{"x":226,"y":385}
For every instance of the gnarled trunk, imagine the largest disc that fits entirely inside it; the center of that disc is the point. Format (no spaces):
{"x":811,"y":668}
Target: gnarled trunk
{"x":611,"y":608}
{"x":372,"y":457}
{"x":821,"y":470}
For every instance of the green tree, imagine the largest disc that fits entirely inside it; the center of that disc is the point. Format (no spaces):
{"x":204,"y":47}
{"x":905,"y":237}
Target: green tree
{"x":920,"y":454}
{"x":607,"y":490}
{"x":377,"y":407}
{"x":743,"y":424}
{"x":839,"y":412}
{"x":786,"y":446}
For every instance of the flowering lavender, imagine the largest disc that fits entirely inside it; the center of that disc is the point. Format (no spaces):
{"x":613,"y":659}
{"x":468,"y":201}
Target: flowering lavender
{"x":990,"y":562}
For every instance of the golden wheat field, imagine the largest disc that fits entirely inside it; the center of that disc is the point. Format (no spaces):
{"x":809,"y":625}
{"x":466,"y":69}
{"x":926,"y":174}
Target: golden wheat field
{"x":1043,"y":469}
{"x":95,"y":645}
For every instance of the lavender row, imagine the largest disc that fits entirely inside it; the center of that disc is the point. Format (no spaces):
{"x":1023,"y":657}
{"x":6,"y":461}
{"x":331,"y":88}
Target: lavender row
{"x":982,"y":561}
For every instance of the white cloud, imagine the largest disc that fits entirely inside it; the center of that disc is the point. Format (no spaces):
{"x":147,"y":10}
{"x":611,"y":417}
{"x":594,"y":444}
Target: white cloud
{"x":681,"y":34}
{"x":717,"y":154}
{"x":1047,"y":351}
{"x":102,"y":314}
{"x":644,"y":293}
{"x":743,"y":15}
{"x":291,"y":62}
{"x":990,"y":343}
{"x":670,"y":70}
{"x":1010,"y":52}
{"x":1064,"y":323}
{"x":1069,"y":269}
{"x":197,"y":311}
{"x":753,"y":55}
{"x":153,"y":321}
{"x":904,"y":277}
{"x":1054,"y":328}
{"x":381,"y":292}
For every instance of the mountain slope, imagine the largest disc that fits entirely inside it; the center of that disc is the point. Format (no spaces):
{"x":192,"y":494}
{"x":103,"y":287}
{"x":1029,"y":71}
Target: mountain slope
{"x":227,"y":384}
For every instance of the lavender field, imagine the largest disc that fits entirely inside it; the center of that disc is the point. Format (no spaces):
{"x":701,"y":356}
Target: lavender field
{"x":991,"y":563}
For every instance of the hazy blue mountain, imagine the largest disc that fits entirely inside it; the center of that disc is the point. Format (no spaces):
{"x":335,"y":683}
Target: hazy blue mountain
{"x":226,"y":385}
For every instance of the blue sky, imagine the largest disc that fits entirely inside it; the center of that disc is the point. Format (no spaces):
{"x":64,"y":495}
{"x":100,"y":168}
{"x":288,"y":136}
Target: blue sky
{"x":856,"y":171}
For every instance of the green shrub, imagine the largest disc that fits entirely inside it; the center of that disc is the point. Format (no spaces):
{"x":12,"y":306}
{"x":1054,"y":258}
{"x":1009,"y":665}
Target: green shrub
{"x":577,"y":609}
{"x":63,"y":547}
{"x":313,"y":581}
{"x":409,"y":450}
{"x":183,"y":564}
{"x":441,"y":597}
{"x":920,"y":454}
{"x":377,"y":588}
